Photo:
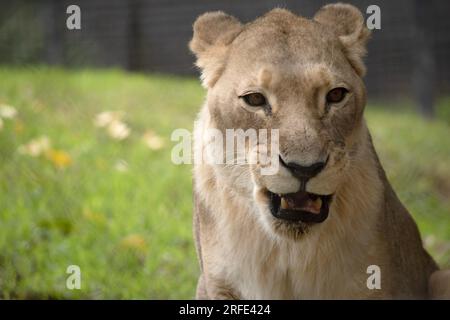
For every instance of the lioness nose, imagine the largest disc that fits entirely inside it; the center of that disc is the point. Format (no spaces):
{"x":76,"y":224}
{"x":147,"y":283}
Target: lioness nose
{"x":304,"y":172}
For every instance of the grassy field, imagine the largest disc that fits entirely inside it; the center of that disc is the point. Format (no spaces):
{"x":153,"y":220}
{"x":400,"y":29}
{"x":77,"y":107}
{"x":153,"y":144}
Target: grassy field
{"x":100,"y":191}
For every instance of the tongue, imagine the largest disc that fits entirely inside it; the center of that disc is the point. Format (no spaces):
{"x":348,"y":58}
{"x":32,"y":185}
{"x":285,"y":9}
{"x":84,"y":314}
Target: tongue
{"x":301,"y":201}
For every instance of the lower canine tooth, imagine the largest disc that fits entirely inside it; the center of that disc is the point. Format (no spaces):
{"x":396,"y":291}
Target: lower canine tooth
{"x":317,"y":204}
{"x":284,"y":204}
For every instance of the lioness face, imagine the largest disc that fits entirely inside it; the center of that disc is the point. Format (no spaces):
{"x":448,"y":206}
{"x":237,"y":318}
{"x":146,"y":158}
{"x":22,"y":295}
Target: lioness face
{"x":298,"y":76}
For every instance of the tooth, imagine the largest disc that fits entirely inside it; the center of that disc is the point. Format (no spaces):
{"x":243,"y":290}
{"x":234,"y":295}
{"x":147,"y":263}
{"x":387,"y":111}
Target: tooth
{"x":284,"y":204}
{"x":317,"y":204}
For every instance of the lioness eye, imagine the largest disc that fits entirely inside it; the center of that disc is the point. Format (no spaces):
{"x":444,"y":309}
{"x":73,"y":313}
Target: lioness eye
{"x":255,"y":99}
{"x":336,"y":95}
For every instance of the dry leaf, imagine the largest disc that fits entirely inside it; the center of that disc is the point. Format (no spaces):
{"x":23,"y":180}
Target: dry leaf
{"x":153,"y":141}
{"x":35,"y":147}
{"x":7,"y":112}
{"x":103,"y":119}
{"x":118,"y":130}
{"x":121,"y":165}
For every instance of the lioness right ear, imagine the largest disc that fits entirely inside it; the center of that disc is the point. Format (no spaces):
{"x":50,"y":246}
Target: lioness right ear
{"x":347,"y":22}
{"x":213,"y":33}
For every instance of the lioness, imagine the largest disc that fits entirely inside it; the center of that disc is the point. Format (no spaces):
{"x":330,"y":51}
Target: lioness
{"x":313,"y":228}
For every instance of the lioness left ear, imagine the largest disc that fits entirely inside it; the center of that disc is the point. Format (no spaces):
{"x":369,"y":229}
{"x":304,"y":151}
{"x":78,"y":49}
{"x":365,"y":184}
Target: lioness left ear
{"x":347,"y":22}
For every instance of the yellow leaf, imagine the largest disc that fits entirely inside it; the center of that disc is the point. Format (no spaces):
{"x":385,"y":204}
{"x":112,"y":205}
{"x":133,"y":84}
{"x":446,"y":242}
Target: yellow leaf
{"x":18,"y":126}
{"x":134,"y":242}
{"x":59,"y":158}
{"x":95,"y":217}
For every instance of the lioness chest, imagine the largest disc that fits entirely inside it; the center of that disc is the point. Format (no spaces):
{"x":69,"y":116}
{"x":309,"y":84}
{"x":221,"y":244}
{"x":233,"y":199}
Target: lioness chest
{"x":259,"y":268}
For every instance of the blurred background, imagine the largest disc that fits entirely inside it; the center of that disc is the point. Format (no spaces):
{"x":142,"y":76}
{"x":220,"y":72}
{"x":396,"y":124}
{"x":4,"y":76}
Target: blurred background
{"x":85,"y":121}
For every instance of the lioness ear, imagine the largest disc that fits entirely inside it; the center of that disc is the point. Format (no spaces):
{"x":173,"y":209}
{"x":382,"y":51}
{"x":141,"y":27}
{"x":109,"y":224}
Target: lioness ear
{"x":213,"y":32}
{"x":347,"y":22}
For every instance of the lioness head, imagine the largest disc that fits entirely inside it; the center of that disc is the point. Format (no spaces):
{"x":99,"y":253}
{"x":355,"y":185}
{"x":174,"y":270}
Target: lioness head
{"x":302,"y":77}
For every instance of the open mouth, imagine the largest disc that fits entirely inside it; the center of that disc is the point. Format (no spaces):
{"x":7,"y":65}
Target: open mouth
{"x":300,"y":206}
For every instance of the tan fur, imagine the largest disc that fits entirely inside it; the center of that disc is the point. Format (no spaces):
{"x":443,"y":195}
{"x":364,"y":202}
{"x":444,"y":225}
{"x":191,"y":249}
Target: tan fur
{"x":439,"y":288}
{"x":244,"y":252}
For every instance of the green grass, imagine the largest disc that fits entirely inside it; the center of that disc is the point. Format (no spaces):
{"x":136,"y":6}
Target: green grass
{"x":130,"y":230}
